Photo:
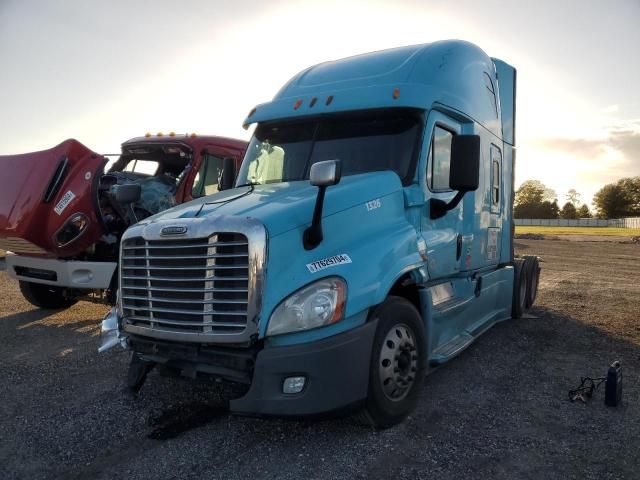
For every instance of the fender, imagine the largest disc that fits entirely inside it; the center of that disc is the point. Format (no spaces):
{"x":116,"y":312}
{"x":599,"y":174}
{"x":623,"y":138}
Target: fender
{"x":390,"y":250}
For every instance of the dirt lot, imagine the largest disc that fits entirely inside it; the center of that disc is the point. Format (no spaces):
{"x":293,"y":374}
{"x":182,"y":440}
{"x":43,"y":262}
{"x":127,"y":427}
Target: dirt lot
{"x":500,"y":410}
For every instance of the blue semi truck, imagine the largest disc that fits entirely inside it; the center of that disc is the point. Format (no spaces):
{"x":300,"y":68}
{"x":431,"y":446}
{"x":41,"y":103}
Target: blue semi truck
{"x":367,"y":237}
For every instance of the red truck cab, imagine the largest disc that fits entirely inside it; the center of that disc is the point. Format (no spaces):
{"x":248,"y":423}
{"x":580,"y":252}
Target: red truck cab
{"x":61,"y":216}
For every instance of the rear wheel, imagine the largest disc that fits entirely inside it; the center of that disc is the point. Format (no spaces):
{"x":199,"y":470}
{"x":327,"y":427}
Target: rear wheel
{"x":45,"y":296}
{"x":398,"y":363}
{"x":532,"y":268}
{"x":519,"y":299}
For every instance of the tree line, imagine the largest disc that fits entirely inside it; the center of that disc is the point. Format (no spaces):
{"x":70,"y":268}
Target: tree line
{"x":615,"y":200}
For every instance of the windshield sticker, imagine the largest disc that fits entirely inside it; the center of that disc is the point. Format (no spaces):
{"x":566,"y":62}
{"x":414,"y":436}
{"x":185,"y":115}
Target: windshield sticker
{"x":64,"y":202}
{"x":328,"y":262}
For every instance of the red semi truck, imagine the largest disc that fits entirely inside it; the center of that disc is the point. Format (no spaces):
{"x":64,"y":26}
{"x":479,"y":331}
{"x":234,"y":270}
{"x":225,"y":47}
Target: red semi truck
{"x":62,"y":216}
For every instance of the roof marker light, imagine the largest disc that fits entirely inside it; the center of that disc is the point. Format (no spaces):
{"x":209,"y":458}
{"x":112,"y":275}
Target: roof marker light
{"x":396,"y":93}
{"x":193,"y":135}
{"x":313,"y":102}
{"x":160,"y":134}
{"x":148,"y":134}
{"x":329,"y":100}
{"x":172,"y":134}
{"x":297,"y":104}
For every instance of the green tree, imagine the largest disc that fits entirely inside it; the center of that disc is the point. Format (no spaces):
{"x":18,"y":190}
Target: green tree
{"x":620,"y":199}
{"x":568,"y":211}
{"x":534,"y":200}
{"x":583,"y":211}
{"x":574,"y":197}
{"x":631,"y":188}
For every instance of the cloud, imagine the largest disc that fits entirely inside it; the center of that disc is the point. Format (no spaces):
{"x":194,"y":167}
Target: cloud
{"x":610,"y":109}
{"x":628,"y":143}
{"x":586,"y":164}
{"x":580,"y":147}
{"x":624,"y":139}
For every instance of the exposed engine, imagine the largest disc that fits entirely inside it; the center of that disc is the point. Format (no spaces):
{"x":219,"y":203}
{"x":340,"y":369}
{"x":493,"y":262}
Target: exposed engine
{"x":156,"y":194}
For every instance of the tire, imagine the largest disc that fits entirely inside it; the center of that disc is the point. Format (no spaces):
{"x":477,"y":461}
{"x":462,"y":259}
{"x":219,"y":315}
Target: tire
{"x":45,"y":296}
{"x":532,"y":268}
{"x":519,"y":297}
{"x":398,"y":364}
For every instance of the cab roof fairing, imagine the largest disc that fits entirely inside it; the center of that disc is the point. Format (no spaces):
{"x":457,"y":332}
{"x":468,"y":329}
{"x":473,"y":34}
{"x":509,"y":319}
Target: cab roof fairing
{"x":449,"y":72}
{"x":197,"y":143}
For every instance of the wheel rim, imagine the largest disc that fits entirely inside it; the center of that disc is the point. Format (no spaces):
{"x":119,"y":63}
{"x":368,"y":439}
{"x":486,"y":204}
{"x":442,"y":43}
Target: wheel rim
{"x":398,"y":362}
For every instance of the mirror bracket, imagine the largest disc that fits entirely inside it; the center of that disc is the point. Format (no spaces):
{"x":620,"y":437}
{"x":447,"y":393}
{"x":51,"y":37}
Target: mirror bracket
{"x":322,"y":175}
{"x":439,"y":208}
{"x":313,"y":236}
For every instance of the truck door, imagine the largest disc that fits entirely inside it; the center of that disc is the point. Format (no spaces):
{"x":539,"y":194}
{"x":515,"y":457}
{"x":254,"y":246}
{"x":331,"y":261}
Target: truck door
{"x":443,"y":235}
{"x":206,"y":180}
{"x":493,"y":235}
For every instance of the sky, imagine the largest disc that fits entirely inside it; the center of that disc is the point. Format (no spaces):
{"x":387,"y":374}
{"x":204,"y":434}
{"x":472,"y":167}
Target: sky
{"x":103,"y":72}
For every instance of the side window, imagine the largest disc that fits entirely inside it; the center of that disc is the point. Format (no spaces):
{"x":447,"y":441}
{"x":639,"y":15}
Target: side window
{"x":440,"y":160}
{"x":206,"y":181}
{"x":496,"y":158}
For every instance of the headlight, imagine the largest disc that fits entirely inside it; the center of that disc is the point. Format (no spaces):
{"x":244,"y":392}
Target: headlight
{"x":318,"y":304}
{"x":71,"y":230}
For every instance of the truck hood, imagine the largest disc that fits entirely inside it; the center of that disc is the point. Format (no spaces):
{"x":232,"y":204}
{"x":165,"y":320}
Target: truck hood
{"x":284,"y":206}
{"x":39,"y":191}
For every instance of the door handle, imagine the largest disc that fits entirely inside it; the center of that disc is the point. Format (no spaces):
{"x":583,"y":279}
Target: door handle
{"x":458,"y":246}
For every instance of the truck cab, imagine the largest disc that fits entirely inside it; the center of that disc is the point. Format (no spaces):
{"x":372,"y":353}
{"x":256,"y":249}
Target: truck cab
{"x":368,"y":239}
{"x":63,"y":210}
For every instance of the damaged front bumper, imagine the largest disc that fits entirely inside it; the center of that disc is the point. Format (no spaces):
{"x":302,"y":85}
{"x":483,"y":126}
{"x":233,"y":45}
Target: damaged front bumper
{"x":110,"y":334}
{"x":334,"y":370}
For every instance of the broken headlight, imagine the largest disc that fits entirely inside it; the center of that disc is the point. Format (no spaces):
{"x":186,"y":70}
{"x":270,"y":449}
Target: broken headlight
{"x":319,"y":303}
{"x":71,"y":230}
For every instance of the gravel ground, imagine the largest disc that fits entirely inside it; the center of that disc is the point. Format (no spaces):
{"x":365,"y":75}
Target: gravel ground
{"x":499,"y":410}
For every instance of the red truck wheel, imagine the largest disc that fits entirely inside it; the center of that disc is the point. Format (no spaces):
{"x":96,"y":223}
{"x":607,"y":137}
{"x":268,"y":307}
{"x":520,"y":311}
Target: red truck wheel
{"x":45,"y":296}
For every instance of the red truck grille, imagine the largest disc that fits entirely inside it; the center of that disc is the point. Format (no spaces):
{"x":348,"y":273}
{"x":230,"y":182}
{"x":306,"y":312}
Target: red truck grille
{"x":197,"y":286}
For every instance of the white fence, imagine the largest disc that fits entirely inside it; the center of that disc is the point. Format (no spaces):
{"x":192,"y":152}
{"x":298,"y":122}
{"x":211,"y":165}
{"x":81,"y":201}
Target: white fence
{"x":581,"y":222}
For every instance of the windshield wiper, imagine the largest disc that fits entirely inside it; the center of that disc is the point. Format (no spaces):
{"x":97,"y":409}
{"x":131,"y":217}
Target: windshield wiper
{"x":227,"y":200}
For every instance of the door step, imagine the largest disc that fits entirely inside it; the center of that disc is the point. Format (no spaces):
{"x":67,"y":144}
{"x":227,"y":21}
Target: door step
{"x":453,"y":347}
{"x":450,"y":305}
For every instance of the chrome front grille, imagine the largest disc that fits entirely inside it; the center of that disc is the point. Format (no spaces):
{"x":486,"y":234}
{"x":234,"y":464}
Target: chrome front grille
{"x":193,"y":286}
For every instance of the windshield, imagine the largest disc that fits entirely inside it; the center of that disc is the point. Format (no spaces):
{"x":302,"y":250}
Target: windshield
{"x":364,"y":142}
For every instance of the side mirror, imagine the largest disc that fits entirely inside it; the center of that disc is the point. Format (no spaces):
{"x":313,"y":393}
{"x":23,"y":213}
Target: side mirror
{"x":228,"y":174}
{"x":464,"y":171}
{"x":322,"y":175}
{"x":325,"y":174}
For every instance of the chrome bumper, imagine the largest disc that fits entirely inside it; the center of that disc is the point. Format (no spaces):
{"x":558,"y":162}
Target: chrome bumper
{"x":110,"y":334}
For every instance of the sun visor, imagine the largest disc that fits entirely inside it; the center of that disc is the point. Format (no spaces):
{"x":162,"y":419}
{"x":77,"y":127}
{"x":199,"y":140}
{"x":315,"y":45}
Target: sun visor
{"x":361,"y":98}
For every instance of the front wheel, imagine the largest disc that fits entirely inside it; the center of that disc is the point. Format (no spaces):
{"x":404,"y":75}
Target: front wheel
{"x":45,"y":296}
{"x":398,"y":363}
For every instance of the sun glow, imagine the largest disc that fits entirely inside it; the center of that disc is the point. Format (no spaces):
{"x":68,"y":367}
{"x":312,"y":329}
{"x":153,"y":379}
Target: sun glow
{"x":219,"y":73}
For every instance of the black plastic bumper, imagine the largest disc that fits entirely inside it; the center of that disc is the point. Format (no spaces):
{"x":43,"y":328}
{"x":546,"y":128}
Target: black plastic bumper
{"x":336,"y":371}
